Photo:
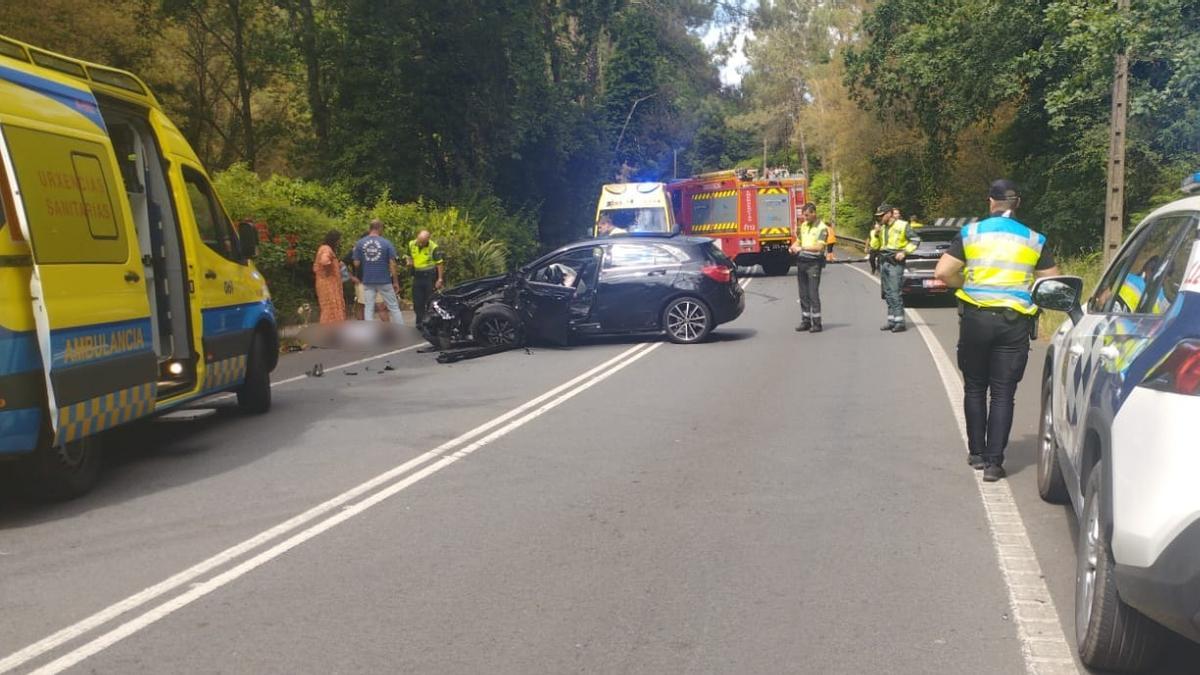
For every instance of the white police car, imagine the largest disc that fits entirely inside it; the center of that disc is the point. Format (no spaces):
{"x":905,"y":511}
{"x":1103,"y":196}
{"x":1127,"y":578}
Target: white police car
{"x":1120,"y":438}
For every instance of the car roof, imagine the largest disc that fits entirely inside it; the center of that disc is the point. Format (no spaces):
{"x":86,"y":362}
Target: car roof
{"x":1186,"y":204}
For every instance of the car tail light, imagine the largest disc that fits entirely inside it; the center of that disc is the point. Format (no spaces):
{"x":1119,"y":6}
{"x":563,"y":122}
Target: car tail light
{"x":1179,"y":372}
{"x":718,"y":273}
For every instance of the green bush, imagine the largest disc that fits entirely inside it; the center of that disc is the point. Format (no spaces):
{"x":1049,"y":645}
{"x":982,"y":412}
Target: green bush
{"x":477,"y":238}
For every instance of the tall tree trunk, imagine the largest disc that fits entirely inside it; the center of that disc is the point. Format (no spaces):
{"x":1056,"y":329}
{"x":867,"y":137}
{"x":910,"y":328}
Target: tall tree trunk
{"x":304,"y":22}
{"x":241,"y":67}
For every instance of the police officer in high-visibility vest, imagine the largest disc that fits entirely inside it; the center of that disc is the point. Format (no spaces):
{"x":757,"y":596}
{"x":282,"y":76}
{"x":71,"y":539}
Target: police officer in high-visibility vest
{"x":809,"y":240}
{"x":875,"y":242}
{"x":428,"y":265}
{"x":898,"y":242}
{"x":993,"y":263}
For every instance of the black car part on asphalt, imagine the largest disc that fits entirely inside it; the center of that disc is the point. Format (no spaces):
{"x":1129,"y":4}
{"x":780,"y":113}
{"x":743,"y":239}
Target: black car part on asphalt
{"x":675,"y":285}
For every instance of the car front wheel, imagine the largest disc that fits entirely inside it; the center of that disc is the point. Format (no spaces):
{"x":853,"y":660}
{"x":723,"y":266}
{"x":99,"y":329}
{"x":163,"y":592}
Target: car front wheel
{"x":497,"y":325}
{"x":1111,"y":635}
{"x":1051,"y":485}
{"x":687,"y":320}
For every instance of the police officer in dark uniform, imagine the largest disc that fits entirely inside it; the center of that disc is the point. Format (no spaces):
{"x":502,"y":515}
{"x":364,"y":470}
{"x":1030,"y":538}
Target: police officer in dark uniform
{"x":809,"y":244}
{"x":993,"y":264}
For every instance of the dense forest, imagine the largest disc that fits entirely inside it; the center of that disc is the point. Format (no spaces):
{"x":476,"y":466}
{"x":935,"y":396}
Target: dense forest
{"x":520,"y":109}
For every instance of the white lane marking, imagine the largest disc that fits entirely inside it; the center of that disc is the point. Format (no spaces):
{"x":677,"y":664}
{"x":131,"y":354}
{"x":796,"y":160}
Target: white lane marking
{"x":200,"y":590}
{"x":1043,"y":646}
{"x":147,"y":595}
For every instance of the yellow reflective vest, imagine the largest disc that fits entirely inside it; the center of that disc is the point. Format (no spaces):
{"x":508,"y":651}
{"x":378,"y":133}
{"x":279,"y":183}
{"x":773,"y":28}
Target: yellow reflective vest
{"x":811,"y":236}
{"x":1002,"y":255}
{"x":875,"y":239}
{"x":898,"y":237}
{"x":425,"y":258}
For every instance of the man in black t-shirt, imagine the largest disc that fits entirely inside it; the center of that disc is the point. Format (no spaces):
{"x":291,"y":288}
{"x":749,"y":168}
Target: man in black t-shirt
{"x":993,"y":264}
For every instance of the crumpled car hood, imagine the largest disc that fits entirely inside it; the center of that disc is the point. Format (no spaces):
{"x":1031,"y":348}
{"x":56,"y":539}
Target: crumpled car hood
{"x":476,"y":286}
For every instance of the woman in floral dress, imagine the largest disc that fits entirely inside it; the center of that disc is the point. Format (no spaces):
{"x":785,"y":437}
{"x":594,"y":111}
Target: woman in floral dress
{"x":327,"y":269}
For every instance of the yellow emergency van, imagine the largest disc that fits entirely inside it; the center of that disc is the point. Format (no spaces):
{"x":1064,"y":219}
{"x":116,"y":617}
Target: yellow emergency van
{"x":634,"y":208}
{"x":125,"y":290}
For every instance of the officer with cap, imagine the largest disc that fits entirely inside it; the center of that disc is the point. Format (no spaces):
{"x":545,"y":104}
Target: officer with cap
{"x":875,"y":240}
{"x":898,"y":242}
{"x":993,"y":264}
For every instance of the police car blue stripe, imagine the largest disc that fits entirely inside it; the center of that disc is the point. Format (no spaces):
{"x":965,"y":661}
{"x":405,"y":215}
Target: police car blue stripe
{"x":19,"y":429}
{"x":81,"y":101}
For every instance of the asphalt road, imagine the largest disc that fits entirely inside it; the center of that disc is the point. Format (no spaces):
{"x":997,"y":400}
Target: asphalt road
{"x":766,"y":502}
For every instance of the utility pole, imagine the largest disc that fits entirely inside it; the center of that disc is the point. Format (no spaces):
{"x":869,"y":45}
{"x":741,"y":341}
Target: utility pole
{"x":1114,"y":209}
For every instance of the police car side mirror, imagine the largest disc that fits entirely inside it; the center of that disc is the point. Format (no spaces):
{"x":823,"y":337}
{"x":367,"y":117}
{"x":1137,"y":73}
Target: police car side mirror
{"x":248,"y":240}
{"x":1060,"y":294}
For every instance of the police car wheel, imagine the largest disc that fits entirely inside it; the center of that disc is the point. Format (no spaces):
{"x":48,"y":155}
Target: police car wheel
{"x":687,"y":320}
{"x":63,"y":472}
{"x":1111,"y":635}
{"x":496,"y":325}
{"x":254,"y":397}
{"x":1051,"y":485}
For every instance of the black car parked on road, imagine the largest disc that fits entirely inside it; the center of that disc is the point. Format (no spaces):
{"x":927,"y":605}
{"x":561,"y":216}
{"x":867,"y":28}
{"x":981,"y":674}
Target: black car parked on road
{"x":677,"y":285}
{"x":918,"y":272}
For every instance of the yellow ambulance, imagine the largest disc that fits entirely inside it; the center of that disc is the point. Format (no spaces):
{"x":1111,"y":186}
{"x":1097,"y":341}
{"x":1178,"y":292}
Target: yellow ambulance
{"x":125,"y":290}
{"x":634,"y":208}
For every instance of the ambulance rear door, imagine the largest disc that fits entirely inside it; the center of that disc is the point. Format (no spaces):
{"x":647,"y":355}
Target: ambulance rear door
{"x":89,"y":297}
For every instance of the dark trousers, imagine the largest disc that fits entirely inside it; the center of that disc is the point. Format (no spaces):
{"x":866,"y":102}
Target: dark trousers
{"x":808,"y":281}
{"x":873,"y":258}
{"x":422,"y":292}
{"x":993,"y":348}
{"x":891,"y":277}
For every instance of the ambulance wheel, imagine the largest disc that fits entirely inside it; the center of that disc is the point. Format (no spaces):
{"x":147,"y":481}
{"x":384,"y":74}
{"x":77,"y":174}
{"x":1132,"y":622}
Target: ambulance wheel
{"x":63,"y":472}
{"x":254,"y":398}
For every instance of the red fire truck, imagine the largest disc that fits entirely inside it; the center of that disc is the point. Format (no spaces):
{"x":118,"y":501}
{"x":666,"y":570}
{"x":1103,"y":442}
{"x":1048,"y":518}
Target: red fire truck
{"x":752,"y":219}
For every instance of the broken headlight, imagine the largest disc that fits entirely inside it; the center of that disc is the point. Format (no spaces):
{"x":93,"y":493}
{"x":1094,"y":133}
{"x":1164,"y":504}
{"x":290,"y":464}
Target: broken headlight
{"x":441,"y":311}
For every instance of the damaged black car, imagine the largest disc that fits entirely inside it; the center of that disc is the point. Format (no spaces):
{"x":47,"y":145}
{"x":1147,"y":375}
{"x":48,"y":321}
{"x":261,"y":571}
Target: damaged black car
{"x":682,"y":287}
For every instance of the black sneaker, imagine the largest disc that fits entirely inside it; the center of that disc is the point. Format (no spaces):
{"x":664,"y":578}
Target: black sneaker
{"x":899,"y":328}
{"x":993,"y":473}
{"x":976,"y":461}
{"x":816,"y":326}
{"x":804,"y":326}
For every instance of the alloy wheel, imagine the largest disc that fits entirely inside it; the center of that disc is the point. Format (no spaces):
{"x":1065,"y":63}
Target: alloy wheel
{"x":498,"y":331}
{"x":686,"y":320}
{"x":1091,"y":548}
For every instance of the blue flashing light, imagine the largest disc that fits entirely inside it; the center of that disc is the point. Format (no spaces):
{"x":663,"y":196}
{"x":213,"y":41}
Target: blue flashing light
{"x":1191,"y":184}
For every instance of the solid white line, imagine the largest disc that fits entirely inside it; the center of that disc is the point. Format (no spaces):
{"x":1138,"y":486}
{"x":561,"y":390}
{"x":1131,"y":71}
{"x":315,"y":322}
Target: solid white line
{"x":147,"y":595}
{"x":1054,"y":655}
{"x":198,"y":591}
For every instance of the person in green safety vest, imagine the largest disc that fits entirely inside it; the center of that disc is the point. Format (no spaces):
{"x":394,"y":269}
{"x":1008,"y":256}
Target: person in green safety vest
{"x":428,"y":265}
{"x":875,"y":242}
{"x":898,"y":241}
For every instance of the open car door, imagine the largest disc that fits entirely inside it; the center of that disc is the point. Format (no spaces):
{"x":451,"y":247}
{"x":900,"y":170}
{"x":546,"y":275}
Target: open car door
{"x":559,"y":292}
{"x":89,"y":299}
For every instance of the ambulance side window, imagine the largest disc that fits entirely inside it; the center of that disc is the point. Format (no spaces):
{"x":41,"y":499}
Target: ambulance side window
{"x":215,"y":229}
